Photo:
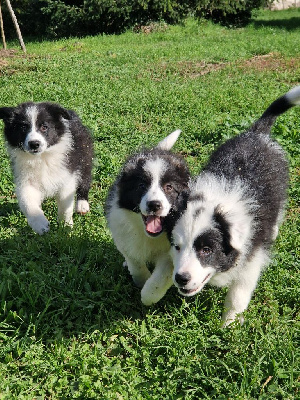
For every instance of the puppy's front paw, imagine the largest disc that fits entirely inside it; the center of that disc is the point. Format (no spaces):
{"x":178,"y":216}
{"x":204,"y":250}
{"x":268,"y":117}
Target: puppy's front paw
{"x":39,"y":224}
{"x":229,"y":318}
{"x":82,"y":207}
{"x":69,"y":222}
{"x":149,"y":296}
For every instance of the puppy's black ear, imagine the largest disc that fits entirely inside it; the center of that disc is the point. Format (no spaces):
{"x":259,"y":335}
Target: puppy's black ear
{"x":176,"y":211}
{"x":58,"y":111}
{"x":224,"y":226}
{"x":6,"y":113}
{"x":235,"y":223}
{"x":183,"y":199}
{"x":134,"y":163}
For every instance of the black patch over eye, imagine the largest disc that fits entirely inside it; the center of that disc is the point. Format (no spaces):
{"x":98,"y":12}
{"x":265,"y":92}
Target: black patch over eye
{"x":142,"y":185}
{"x":22,"y":127}
{"x":205,"y":243}
{"x":205,"y":251}
{"x":44,"y":128}
{"x":168,"y":188}
{"x":132,"y":186}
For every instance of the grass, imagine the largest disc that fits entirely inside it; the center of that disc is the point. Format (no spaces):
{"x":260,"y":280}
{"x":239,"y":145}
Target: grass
{"x":72,"y":325}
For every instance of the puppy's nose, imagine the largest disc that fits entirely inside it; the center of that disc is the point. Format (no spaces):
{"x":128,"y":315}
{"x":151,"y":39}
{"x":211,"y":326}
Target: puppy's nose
{"x":183,"y":279}
{"x":34,"y":144}
{"x":154,"y":205}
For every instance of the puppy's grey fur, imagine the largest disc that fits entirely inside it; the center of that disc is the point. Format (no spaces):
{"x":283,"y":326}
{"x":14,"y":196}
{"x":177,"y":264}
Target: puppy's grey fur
{"x":233,"y":214}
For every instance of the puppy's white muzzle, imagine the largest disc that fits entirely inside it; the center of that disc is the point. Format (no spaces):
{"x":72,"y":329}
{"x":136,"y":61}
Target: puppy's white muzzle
{"x":34,"y":143}
{"x":189,"y":276}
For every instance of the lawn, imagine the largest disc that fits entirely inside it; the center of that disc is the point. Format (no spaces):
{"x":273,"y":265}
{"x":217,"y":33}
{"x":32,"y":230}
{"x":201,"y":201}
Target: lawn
{"x":72,"y":325}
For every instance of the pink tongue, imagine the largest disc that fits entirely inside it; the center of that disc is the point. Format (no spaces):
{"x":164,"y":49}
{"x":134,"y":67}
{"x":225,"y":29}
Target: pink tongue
{"x":153,"y":224}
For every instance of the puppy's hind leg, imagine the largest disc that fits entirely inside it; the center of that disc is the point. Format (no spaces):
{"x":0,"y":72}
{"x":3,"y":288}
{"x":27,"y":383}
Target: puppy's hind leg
{"x":65,"y":202}
{"x":160,"y":281}
{"x":82,"y":204}
{"x":240,"y":291}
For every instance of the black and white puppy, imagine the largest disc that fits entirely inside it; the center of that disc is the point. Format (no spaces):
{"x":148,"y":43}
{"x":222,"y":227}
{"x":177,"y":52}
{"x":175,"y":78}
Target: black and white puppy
{"x":145,"y":195}
{"x":233,"y":214}
{"x":51,"y":153}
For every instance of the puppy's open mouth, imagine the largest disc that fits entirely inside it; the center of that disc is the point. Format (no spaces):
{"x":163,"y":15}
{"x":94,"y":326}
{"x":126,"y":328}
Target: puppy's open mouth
{"x":34,"y":151}
{"x":191,"y":292}
{"x":31,"y":151}
{"x":153,"y":224}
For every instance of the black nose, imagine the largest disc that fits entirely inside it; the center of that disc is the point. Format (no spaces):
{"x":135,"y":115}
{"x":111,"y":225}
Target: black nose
{"x":154,"y":205}
{"x":183,"y":279}
{"x":34,"y":144}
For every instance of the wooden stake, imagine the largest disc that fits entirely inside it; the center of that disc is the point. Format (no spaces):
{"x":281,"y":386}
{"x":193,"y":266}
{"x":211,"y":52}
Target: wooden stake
{"x":11,"y":11}
{"x":2,"y":28}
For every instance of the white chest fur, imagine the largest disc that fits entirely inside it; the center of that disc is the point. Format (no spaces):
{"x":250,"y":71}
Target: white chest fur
{"x":47,"y":172}
{"x":130,"y":238}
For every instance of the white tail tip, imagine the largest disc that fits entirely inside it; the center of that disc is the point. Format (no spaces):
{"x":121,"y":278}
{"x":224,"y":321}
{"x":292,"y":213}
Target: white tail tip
{"x":293,"y":96}
{"x":168,"y":142}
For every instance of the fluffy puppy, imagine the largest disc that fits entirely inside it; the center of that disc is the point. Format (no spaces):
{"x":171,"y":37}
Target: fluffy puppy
{"x":233,"y":214}
{"x":51,"y":153}
{"x":143,"y":198}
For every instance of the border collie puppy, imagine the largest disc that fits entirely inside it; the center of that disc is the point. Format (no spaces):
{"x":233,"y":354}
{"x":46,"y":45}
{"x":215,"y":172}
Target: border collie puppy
{"x":51,"y":153}
{"x":233,"y":214}
{"x":145,"y":195}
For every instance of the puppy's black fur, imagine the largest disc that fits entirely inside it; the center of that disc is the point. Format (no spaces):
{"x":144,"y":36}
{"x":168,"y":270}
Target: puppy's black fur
{"x":51,"y":153}
{"x":232,"y":216}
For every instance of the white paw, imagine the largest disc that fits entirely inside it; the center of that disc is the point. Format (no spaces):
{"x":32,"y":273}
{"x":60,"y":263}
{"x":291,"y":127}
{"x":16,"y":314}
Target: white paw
{"x":69,"y":222}
{"x":229,"y":318}
{"x":150,"y":296}
{"x":39,"y":224}
{"x":66,"y":218}
{"x":82,"y":207}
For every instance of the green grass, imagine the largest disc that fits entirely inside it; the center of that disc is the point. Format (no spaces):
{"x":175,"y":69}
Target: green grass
{"x":72,"y":325}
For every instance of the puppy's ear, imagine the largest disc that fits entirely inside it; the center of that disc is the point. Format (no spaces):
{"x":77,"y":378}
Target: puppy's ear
{"x":135,"y":163}
{"x":58,"y":111}
{"x":6,"y":113}
{"x":177,"y":209}
{"x":236,"y":228}
{"x":168,"y":142}
{"x":183,"y":199}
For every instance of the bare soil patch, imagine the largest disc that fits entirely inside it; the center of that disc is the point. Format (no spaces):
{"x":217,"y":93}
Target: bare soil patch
{"x":5,"y":55}
{"x":271,"y":61}
{"x":194,"y":69}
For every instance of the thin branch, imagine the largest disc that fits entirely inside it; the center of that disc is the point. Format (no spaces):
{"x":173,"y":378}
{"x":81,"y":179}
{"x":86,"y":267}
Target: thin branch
{"x":11,"y":11}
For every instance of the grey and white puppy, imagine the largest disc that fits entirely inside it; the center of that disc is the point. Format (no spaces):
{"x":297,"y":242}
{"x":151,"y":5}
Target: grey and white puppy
{"x":233,"y":214}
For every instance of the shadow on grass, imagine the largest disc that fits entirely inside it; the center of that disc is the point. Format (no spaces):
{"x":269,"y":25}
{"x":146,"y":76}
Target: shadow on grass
{"x":289,"y":24}
{"x":62,"y":285}
{"x":68,"y":283}
{"x":8,"y":208}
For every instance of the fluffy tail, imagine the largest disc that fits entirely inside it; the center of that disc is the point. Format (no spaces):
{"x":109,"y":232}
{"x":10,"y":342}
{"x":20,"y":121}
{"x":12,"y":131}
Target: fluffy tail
{"x":278,"y":107}
{"x":168,"y":142}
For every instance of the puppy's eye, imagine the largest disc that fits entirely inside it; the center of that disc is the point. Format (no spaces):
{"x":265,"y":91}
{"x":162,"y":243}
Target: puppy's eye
{"x":205,"y":251}
{"x":177,"y":248}
{"x":168,"y":188}
{"x":23,"y":127}
{"x":142,"y":185}
{"x":44,"y":128}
